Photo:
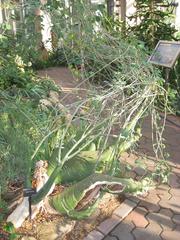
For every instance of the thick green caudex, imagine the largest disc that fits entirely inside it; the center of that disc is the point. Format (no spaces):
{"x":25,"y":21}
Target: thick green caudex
{"x":78,"y":201}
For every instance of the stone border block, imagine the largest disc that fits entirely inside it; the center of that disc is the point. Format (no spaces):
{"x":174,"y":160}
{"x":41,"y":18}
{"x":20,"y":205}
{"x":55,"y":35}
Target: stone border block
{"x":125,"y":208}
{"x":94,"y":235}
{"x":109,"y":224}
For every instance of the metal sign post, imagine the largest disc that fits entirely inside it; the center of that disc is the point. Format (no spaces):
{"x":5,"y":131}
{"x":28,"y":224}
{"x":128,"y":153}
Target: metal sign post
{"x":29,"y":192}
{"x":167,"y":73}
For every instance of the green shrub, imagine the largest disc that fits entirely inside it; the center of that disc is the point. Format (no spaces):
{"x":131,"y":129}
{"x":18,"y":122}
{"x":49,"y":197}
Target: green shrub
{"x":153,"y":22}
{"x":22,"y":126}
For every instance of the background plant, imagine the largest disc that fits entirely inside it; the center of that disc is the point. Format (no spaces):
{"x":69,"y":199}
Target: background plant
{"x":23,"y":124}
{"x":153,"y":21}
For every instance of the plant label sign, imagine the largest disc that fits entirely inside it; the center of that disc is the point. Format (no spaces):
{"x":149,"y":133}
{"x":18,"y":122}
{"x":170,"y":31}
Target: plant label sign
{"x":28,"y":192}
{"x":165,"y":54}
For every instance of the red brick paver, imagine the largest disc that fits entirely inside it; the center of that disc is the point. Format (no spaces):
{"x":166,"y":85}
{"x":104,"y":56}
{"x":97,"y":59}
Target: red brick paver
{"x":163,"y":191}
{"x":174,"y":181}
{"x":163,"y":218}
{"x":138,"y":217}
{"x":173,"y":204}
{"x":143,"y":234}
{"x":154,"y":228}
{"x":123,"y":230}
{"x":157,"y":216}
{"x":151,"y":202}
{"x":175,"y":192}
{"x":171,"y":235}
{"x":176,"y":219}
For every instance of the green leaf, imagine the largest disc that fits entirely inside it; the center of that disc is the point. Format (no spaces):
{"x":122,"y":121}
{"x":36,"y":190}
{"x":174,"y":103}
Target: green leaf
{"x":9,"y":228}
{"x":13,"y":236}
{"x":8,"y":26}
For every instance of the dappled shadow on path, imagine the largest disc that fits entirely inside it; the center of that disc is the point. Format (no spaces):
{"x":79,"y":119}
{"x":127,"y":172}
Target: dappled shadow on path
{"x":142,"y":224}
{"x":171,"y":136}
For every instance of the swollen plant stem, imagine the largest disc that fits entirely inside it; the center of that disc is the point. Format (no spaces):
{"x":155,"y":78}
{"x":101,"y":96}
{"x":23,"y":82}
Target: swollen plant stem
{"x":43,"y":192}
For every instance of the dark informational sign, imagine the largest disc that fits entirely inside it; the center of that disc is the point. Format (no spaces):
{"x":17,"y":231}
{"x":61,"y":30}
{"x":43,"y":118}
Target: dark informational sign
{"x":165,"y":54}
{"x":28,"y":192}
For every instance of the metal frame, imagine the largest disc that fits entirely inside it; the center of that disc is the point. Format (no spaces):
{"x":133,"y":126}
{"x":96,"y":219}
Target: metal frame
{"x":155,"y":51}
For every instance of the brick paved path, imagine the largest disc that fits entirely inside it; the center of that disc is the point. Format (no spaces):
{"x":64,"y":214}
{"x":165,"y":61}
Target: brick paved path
{"x":171,"y":136}
{"x":156,"y":216}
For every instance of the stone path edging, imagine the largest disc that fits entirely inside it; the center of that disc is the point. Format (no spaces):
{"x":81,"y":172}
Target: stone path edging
{"x":109,"y":224}
{"x":153,"y":216}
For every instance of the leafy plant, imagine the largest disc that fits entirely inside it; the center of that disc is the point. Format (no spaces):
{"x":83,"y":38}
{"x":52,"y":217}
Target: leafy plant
{"x":152,"y":21}
{"x":83,"y":150}
{"x":7,"y":230}
{"x":3,"y":210}
{"x":10,"y":231}
{"x":61,"y":166}
{"x":23,"y":124}
{"x":162,"y":172}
